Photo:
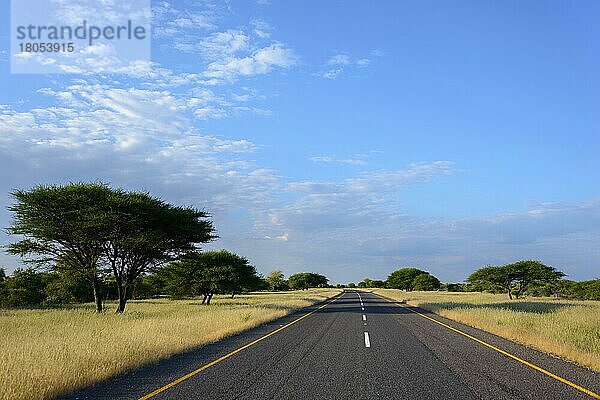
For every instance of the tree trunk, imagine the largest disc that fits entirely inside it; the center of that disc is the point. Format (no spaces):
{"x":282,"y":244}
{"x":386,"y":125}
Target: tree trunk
{"x":205,"y":296}
{"x":509,"y":294}
{"x":122,"y":289}
{"x":521,"y":290}
{"x":97,"y":294}
{"x":232,"y":294}
{"x":208,"y":299}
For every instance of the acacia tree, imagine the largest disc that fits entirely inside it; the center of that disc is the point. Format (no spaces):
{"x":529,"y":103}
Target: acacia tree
{"x":275,"y":280}
{"x":81,"y":227}
{"x":187,"y":276}
{"x":515,"y":278}
{"x":233,"y":273}
{"x":306,"y":280}
{"x":62,"y":227}
{"x":209,"y":273}
{"x":527,"y":272}
{"x":144,"y":233}
{"x":426,"y":282}
{"x":403,"y":278}
{"x":492,"y":276}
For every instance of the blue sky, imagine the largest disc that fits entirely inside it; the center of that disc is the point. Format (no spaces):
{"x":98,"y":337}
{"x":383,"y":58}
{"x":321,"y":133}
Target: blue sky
{"x":346,"y":138}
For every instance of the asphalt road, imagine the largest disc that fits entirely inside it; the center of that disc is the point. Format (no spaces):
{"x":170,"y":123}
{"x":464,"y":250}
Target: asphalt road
{"x":347,"y":350}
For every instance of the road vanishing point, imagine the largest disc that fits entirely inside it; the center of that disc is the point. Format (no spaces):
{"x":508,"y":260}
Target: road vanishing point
{"x":356,"y":346}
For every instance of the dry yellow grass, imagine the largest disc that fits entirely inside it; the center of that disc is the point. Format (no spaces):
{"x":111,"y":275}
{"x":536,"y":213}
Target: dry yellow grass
{"x":48,"y":352}
{"x":566,"y":328}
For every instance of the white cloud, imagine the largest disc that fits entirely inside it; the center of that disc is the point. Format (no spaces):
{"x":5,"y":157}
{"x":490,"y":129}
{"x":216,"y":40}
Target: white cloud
{"x":262,"y":29}
{"x":224,"y":44}
{"x":363,"y":62}
{"x":351,"y":161}
{"x":363,"y":200}
{"x":379,"y":182}
{"x":241,"y":97}
{"x":131,"y":135}
{"x":210,"y":113}
{"x":339,"y":63}
{"x":276,"y":55}
{"x":321,"y":159}
{"x":332,"y":73}
{"x":260,"y":62}
{"x":172,"y":22}
{"x":105,"y":12}
{"x":285,"y":237}
{"x":339,"y":59}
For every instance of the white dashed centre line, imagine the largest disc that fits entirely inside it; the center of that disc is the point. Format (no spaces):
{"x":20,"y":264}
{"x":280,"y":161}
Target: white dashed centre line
{"x":364,"y":317}
{"x":362,"y":308}
{"x":367,"y":340}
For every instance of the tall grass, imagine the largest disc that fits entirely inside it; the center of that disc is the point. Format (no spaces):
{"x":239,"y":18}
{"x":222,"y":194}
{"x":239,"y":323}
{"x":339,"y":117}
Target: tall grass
{"x":566,"y":328}
{"x":46,"y":352}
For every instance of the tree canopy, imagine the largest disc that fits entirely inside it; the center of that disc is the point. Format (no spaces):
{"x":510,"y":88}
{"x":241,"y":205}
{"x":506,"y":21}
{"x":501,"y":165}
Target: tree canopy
{"x":276,"y":280}
{"x":515,"y":278}
{"x":403,"y":278}
{"x":426,"y":282}
{"x":306,"y":280}
{"x":146,"y":232}
{"x":209,"y":273}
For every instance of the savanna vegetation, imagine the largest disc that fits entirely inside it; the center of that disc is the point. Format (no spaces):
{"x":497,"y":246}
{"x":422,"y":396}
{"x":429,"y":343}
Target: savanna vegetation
{"x":86,"y":246}
{"x":49,"y":351}
{"x":522,"y":278}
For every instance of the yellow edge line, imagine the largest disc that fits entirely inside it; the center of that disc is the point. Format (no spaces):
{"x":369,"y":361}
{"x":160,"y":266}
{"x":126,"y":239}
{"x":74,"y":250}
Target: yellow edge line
{"x":218,"y":360}
{"x":540,"y":369}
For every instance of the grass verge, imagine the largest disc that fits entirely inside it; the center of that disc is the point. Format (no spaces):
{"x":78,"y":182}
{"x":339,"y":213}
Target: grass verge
{"x":566,"y":328}
{"x":46,"y":352}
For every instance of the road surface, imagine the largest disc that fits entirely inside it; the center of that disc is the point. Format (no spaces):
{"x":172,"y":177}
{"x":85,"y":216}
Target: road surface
{"x":358,"y":346}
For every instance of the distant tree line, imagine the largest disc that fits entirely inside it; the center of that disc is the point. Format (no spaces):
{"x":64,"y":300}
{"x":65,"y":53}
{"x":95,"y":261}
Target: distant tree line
{"x":198,"y":274}
{"x":526,"y":277}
